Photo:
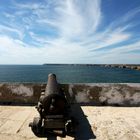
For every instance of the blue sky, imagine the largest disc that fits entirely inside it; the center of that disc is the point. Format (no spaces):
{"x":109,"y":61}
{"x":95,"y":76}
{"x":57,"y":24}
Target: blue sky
{"x":69,"y":31}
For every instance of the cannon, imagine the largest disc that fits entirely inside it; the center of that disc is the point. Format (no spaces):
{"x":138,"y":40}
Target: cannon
{"x":54,"y":111}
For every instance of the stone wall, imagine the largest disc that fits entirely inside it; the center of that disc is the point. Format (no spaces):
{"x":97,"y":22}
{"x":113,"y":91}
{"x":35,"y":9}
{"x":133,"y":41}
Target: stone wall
{"x":92,"y":94}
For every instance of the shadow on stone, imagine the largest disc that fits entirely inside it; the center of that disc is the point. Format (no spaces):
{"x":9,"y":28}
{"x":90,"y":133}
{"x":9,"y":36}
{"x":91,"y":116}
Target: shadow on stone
{"x":83,"y":130}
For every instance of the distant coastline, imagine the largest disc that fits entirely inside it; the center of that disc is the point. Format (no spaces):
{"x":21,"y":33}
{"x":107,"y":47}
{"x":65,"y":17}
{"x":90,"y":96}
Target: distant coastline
{"x":127,"y":66}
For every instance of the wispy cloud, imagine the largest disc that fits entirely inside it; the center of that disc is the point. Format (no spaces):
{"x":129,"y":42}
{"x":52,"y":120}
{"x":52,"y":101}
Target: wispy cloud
{"x":66,"y":31}
{"x":7,"y":29}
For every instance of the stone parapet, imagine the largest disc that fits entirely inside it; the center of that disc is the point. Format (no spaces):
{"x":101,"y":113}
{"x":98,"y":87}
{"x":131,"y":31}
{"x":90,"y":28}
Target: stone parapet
{"x":95,"y":94}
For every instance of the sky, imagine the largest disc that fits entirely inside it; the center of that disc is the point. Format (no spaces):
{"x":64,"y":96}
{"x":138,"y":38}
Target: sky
{"x":70,"y":31}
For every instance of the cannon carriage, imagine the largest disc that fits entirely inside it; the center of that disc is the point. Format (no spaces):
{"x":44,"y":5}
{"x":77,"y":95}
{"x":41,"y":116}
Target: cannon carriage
{"x":54,"y":111}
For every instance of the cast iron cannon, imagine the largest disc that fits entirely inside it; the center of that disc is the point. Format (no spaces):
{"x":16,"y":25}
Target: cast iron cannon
{"x":54,"y":111}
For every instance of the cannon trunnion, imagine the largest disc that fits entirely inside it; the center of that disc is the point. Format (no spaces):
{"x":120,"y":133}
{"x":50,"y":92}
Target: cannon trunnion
{"x":54,"y":111}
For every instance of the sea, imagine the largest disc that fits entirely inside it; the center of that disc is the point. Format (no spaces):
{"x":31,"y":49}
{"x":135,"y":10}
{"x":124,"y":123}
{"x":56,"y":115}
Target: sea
{"x":68,"y":74}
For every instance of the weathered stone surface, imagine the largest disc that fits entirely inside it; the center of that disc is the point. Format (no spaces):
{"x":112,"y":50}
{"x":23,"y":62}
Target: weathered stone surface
{"x":100,"y":123}
{"x":19,"y":93}
{"x":97,"y":94}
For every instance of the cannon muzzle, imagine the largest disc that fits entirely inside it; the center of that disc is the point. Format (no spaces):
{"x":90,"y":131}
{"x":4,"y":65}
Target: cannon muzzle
{"x":52,"y":85}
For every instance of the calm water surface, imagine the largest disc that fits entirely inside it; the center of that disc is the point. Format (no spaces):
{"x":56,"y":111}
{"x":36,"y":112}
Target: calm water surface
{"x":68,"y":74}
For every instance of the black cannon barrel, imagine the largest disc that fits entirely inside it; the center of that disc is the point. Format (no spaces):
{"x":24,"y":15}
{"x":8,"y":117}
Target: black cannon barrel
{"x":52,"y":85}
{"x":53,"y":100}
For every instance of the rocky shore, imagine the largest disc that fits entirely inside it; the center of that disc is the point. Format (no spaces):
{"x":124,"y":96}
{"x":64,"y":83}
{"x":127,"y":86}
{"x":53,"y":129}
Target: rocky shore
{"x":135,"y":67}
{"x":127,"y":66}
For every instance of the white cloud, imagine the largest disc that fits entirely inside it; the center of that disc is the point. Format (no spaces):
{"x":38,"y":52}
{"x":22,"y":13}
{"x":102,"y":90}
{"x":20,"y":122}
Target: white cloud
{"x":7,"y":29}
{"x":18,"y":52}
{"x":127,"y":48}
{"x":76,"y":23}
{"x":109,"y":38}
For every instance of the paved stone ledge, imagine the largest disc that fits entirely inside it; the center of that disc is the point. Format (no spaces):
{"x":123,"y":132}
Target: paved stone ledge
{"x":95,"y":94}
{"x":100,"y":123}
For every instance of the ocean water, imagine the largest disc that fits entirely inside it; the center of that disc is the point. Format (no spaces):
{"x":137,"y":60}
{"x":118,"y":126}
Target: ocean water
{"x":68,"y":74}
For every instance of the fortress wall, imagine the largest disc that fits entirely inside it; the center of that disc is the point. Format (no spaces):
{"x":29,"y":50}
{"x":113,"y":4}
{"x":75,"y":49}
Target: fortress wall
{"x":92,"y":94}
